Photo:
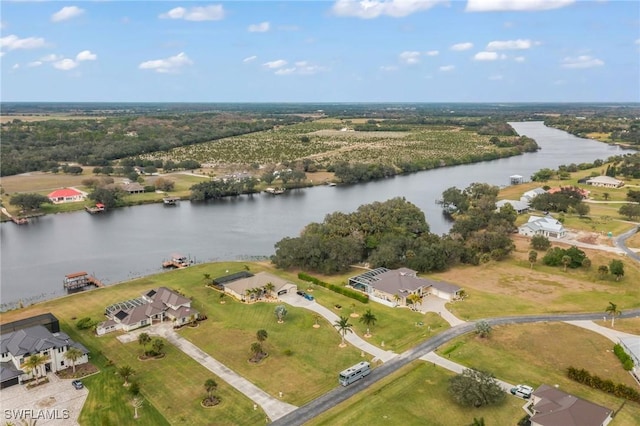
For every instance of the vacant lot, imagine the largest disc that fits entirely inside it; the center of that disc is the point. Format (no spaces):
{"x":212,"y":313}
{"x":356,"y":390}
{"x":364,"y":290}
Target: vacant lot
{"x":415,"y":395}
{"x":532,"y":354}
{"x":33,"y":118}
{"x":512,"y":287}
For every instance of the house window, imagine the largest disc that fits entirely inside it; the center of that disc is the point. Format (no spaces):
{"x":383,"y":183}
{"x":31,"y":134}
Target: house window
{"x":61,"y":363}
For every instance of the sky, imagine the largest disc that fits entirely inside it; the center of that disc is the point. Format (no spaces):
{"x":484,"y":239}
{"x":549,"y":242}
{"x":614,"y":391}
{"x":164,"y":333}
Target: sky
{"x":320,"y":51}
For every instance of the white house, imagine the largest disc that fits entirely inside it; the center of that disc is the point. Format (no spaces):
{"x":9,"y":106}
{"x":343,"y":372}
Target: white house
{"x":530,"y":195}
{"x":17,"y":346}
{"x":605,"y":181}
{"x":546,"y":226}
{"x":65,"y":195}
{"x":520,"y":206}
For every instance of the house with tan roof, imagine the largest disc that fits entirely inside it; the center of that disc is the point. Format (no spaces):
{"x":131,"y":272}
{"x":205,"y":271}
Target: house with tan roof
{"x":553,"y":407}
{"x":247,"y":287}
{"x":382,"y":284}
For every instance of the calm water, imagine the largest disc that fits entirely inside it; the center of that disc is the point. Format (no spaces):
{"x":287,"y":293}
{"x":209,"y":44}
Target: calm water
{"x":131,"y":242}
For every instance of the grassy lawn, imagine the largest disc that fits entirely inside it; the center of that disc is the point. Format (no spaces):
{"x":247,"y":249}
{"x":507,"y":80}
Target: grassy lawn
{"x":415,"y":395}
{"x":530,"y":354}
{"x":634,"y":241}
{"x":628,"y":325}
{"x":511,"y":287}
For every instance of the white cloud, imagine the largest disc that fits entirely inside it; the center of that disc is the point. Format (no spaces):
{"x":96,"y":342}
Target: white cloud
{"x":410,"y":58}
{"x":275,"y":64}
{"x":485,"y":56}
{"x":369,"y":9}
{"x":51,"y":57}
{"x":301,"y":68}
{"x":637,"y":41}
{"x":204,"y":13}
{"x":432,"y":53}
{"x":65,"y":13}
{"x":388,"y":68}
{"x":171,"y":64}
{"x":15,"y":66}
{"x":462,"y":46}
{"x":515,"y":5}
{"x":583,"y":61}
{"x":519,"y":59}
{"x":86,"y":55}
{"x":65,"y":64}
{"x":289,"y":28}
{"x":496,"y":77}
{"x":262,"y":27}
{"x":249,"y":59}
{"x":34,"y":64}
{"x":13,"y":42}
{"x":519,"y":44}
{"x":447,"y":68}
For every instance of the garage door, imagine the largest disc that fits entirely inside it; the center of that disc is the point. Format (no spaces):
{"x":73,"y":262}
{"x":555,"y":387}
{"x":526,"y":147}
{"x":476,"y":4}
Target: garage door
{"x":8,"y":383}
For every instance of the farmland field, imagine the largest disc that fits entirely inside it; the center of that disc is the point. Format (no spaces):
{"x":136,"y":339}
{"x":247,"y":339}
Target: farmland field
{"x":326,"y":142}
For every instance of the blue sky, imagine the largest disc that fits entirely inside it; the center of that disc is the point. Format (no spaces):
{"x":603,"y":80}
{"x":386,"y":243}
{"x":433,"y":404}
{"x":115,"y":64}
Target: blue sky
{"x":321,"y":51}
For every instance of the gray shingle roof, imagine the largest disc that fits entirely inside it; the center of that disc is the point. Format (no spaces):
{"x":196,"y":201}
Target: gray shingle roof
{"x":33,"y":340}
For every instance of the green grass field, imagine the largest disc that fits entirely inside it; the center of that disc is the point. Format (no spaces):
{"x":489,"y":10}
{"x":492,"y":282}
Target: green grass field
{"x":415,"y":395}
{"x":532,"y":354}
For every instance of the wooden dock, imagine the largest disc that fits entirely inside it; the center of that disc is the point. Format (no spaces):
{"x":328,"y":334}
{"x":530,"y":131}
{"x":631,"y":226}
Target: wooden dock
{"x":170,"y":201}
{"x":274,"y":191}
{"x":98,"y":208}
{"x":79,"y":280}
{"x":176,"y":261}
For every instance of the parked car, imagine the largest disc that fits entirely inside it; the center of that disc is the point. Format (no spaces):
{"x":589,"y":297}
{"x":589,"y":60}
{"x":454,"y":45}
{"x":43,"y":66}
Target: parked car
{"x":308,"y":296}
{"x":300,"y":293}
{"x":523,"y":391}
{"x":77,"y":384}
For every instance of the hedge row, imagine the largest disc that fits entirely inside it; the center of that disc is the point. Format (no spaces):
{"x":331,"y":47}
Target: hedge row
{"x":620,"y":390}
{"x":335,"y":288}
{"x":625,"y":359}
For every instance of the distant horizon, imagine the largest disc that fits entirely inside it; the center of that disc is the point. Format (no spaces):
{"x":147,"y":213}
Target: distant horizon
{"x":498,"y":103}
{"x":338,"y":51}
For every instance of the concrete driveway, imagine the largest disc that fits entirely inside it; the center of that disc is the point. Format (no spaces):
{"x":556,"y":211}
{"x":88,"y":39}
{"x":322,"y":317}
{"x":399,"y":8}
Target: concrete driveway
{"x":56,"y":403}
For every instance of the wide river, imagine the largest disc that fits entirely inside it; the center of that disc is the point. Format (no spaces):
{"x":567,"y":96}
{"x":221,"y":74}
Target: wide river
{"x":131,"y":242}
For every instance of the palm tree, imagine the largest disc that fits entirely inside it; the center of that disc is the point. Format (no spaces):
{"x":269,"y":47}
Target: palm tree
{"x":157,"y":345}
{"x":605,"y":195}
{"x":126,"y":372}
{"x":144,"y":339}
{"x":368,"y":319}
{"x":316,"y":319}
{"x":210,"y":385}
{"x":281,"y":312}
{"x":256,"y":349}
{"x":73,"y":354}
{"x":477,"y":422}
{"x":414,"y":299}
{"x":396,"y":299}
{"x":343,"y":327}
{"x":136,"y":403}
{"x":566,"y":260}
{"x":268,"y":288}
{"x":613,"y":310}
{"x":261,"y":335}
{"x":206,"y":277}
{"x":33,"y":363}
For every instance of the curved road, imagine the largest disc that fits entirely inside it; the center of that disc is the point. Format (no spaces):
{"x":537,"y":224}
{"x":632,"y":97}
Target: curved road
{"x":340,"y":394}
{"x":620,"y":243}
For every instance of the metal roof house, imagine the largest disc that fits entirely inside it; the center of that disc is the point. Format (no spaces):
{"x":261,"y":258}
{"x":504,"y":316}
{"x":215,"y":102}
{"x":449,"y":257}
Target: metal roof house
{"x":17,"y":346}
{"x":521,"y":206}
{"x":547,"y":226}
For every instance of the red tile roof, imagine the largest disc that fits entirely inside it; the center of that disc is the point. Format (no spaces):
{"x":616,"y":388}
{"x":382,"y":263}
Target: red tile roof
{"x":63,"y":193}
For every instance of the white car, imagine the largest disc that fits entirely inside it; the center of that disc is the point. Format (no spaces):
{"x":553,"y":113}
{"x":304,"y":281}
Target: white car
{"x":523,"y":391}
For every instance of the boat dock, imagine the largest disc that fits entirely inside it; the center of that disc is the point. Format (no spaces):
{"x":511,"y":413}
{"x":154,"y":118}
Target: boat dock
{"x":176,"y":261}
{"x":274,"y":191}
{"x":79,"y":280}
{"x":98,"y":208}
{"x":170,"y":201}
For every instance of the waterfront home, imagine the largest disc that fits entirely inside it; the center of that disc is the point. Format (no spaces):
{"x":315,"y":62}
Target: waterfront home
{"x":605,"y":182}
{"x":17,"y":346}
{"x":154,"y":306}
{"x":382,"y":284}
{"x":530,"y":195}
{"x":65,"y":195}
{"x":552,"y":407}
{"x":133,"y":188}
{"x":520,"y":206}
{"x":547,"y":226}
{"x":247,"y":287}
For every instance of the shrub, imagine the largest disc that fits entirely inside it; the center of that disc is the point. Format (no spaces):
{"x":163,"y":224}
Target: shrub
{"x":85,"y":323}
{"x":335,"y":288}
{"x":625,"y":359}
{"x":540,"y":242}
{"x":620,"y":390}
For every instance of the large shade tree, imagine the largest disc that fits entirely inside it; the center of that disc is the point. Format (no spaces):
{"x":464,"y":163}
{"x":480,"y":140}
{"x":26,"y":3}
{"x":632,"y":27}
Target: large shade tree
{"x":474,"y":388}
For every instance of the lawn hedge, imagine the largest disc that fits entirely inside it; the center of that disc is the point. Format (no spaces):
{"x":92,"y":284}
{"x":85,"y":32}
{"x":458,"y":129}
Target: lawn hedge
{"x":625,"y":359}
{"x":336,"y":288}
{"x":620,"y":390}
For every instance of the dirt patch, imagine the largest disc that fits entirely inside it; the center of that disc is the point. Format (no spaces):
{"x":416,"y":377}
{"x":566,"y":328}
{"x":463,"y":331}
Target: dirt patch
{"x":82,"y":370}
{"x":594,"y":238}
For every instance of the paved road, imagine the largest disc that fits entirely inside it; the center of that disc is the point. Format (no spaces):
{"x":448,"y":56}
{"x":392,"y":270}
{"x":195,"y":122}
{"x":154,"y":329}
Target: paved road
{"x":340,"y":394}
{"x":620,"y":240}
